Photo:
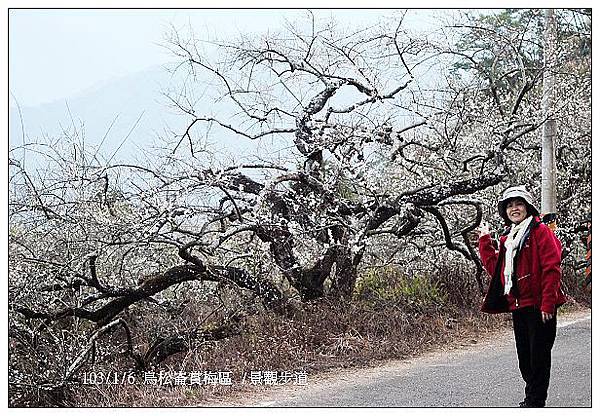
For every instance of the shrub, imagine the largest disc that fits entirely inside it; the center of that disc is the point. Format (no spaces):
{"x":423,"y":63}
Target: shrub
{"x":388,"y":285}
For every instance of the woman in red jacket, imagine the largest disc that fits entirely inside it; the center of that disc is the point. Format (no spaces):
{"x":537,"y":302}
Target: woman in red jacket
{"x":526,"y":282}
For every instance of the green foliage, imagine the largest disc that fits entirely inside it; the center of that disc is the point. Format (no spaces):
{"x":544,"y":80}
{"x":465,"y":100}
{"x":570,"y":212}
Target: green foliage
{"x":507,"y":46}
{"x":389,"y":285}
{"x":503,"y":46}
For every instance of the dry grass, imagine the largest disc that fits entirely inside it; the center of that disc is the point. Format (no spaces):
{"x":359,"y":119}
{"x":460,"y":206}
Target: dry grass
{"x":322,"y":336}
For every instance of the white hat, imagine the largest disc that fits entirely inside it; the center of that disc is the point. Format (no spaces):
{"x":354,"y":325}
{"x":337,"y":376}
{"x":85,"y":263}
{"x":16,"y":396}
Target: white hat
{"x":518,"y":191}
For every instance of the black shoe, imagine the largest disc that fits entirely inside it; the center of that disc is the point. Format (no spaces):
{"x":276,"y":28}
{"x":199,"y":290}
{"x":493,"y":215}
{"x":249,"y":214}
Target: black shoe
{"x":526,"y":403}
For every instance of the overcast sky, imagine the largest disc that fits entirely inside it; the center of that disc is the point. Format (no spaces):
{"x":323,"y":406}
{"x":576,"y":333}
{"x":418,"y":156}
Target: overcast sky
{"x":54,"y":53}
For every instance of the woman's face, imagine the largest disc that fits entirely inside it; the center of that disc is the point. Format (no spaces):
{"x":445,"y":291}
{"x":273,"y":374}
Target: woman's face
{"x":516,"y":210}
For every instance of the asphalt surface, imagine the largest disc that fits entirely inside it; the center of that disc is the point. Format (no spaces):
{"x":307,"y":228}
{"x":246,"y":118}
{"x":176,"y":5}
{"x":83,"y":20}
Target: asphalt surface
{"x":481,"y":375}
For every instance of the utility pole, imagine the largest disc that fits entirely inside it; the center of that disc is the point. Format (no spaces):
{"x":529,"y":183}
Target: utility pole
{"x":549,"y":128}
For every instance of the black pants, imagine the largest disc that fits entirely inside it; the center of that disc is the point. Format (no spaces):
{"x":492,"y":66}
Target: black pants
{"x":534,"y":341}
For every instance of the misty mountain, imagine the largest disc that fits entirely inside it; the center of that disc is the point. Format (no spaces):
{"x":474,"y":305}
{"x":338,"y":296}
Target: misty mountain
{"x":122,"y":117}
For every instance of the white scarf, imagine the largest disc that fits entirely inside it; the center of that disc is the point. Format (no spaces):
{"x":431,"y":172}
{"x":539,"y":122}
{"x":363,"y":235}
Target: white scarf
{"x":513,"y":240}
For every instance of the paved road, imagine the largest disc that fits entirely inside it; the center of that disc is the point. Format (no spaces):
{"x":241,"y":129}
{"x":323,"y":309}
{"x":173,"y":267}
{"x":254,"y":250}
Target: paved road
{"x":482,"y":375}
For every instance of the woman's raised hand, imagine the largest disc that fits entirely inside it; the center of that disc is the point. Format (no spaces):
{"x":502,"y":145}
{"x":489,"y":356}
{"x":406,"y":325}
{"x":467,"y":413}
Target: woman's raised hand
{"x":483,"y":229}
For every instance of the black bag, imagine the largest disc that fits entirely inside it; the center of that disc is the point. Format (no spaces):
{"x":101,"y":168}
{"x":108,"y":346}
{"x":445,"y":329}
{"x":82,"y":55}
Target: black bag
{"x":495,"y":301}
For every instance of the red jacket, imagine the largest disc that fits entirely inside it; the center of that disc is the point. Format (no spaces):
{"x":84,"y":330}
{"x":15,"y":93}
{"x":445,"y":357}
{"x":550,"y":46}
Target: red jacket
{"x":537,"y":272}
